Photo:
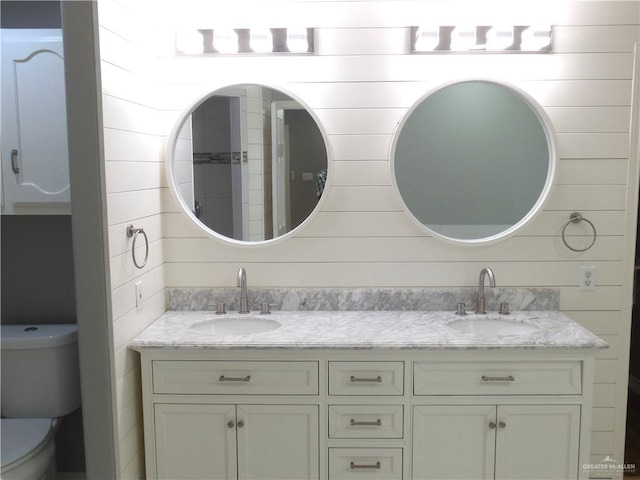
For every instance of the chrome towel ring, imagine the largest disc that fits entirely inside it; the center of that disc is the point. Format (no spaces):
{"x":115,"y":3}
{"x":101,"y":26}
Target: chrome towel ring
{"x":134,"y":232}
{"x":576,"y":217}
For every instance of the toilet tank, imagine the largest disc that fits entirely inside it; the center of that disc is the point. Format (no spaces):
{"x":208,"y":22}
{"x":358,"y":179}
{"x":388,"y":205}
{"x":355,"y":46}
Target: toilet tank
{"x":40,"y":372}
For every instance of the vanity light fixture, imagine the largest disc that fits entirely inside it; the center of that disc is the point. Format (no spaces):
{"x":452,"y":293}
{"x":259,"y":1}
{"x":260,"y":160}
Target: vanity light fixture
{"x":224,"y":41}
{"x":293,"y":40}
{"x":482,"y":39}
{"x":261,"y":40}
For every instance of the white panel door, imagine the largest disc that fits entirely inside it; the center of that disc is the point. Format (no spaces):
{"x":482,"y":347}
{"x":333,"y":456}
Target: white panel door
{"x":195,"y":441}
{"x":453,"y":442}
{"x":278,"y":442}
{"x":537,"y":442}
{"x":35,"y":156}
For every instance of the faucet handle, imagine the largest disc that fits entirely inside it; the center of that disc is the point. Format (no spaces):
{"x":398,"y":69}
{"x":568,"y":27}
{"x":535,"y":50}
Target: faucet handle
{"x":265,"y":308}
{"x":461,"y":309}
{"x":504,"y":308}
{"x":221,"y":308}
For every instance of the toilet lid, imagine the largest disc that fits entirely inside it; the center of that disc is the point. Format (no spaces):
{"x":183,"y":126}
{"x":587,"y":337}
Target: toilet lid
{"x":20,"y":436}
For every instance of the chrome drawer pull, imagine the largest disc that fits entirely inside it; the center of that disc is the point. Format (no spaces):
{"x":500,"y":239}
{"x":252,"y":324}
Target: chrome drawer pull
{"x":234,"y":379}
{"x":377,"y":379}
{"x":355,"y":466}
{"x":509,"y":378}
{"x":377,"y":423}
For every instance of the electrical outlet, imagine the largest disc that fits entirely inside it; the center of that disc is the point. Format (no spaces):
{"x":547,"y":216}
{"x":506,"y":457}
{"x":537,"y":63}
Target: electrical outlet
{"x":587,"y":278}
{"x":139,"y":296}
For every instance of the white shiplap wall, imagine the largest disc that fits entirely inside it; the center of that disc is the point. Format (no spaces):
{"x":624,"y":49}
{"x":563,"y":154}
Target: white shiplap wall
{"x":360,"y":84}
{"x":135,"y":185}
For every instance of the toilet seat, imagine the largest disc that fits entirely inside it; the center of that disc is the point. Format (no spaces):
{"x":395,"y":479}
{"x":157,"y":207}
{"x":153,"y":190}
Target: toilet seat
{"x":26,"y":440}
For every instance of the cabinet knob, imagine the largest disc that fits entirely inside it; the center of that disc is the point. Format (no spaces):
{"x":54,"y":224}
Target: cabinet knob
{"x":240,"y":424}
{"x":230,"y":424}
{"x":492,"y":425}
{"x":502,"y":424}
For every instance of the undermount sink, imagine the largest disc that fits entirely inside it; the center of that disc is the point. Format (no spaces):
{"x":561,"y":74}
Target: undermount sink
{"x":236,"y":326}
{"x":491,"y":327}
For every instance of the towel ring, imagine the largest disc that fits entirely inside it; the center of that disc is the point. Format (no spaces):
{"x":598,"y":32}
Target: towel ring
{"x":133,"y":232}
{"x":576,"y":217}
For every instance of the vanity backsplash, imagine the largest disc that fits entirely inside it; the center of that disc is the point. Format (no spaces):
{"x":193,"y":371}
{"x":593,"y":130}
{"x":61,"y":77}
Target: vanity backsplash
{"x":425,"y":299}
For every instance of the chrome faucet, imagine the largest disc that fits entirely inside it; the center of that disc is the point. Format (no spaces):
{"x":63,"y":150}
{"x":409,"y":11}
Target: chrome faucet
{"x":486,"y":271}
{"x":244,"y":297}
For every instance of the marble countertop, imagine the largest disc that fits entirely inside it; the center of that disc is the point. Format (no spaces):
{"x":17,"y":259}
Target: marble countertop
{"x":364,"y":330}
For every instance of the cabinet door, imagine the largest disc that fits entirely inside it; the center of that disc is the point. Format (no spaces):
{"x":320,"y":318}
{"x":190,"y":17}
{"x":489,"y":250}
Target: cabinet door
{"x":195,"y":441}
{"x":537,"y":442}
{"x":278,"y":442}
{"x":35,"y":157}
{"x":453,"y":442}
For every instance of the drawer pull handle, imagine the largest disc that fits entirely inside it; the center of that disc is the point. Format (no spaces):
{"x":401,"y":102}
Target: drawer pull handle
{"x":354,"y":466}
{"x":377,"y":423}
{"x":14,"y":161}
{"x":235,"y":379}
{"x":377,"y":379}
{"x":509,"y":378}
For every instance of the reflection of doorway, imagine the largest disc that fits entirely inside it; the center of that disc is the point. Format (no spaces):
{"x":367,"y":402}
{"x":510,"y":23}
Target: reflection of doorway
{"x":299,"y":159}
{"x":230,"y":172}
{"x":281,"y":176}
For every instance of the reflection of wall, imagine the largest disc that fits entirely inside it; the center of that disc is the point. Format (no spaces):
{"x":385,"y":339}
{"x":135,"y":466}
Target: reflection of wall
{"x":465,"y":150}
{"x":258,"y":116}
{"x":360,"y":84}
{"x":307,"y":155}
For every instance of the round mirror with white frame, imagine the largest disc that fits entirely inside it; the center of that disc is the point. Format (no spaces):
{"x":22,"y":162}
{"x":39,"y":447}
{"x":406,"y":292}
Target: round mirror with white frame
{"x":473,"y":161}
{"x":248,"y":164}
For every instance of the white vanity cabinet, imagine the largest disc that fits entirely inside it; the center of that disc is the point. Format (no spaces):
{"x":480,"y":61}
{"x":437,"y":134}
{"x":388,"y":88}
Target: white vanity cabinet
{"x":502,"y":442}
{"x":366,"y":419}
{"x":231,"y":419}
{"x":236,"y":441}
{"x":389,"y":414}
{"x":499,"y":420}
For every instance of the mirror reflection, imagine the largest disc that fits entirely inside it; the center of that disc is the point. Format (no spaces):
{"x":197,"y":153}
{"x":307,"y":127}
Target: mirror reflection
{"x":250,"y":163}
{"x":473,"y":160}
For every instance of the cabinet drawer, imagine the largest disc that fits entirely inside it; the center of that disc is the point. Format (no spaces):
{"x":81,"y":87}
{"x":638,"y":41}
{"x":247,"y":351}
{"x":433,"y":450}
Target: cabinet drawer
{"x":365,"y":421}
{"x":364,"y":463}
{"x":237,"y":378}
{"x":497,"y":378}
{"x":366,"y":378}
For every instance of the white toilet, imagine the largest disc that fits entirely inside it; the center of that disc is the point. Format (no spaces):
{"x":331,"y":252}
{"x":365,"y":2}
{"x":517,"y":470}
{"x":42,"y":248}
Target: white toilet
{"x":40,"y":383}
